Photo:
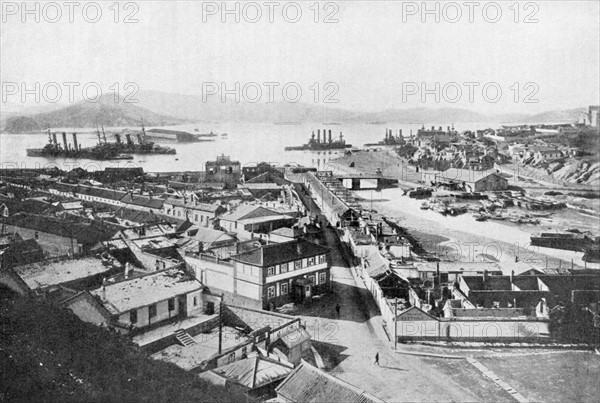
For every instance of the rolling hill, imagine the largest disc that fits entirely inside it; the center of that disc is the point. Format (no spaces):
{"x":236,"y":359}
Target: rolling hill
{"x":106,"y":112}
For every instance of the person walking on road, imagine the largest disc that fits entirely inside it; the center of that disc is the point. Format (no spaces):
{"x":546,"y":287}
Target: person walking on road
{"x":377,"y":359}
{"x":337,"y":309}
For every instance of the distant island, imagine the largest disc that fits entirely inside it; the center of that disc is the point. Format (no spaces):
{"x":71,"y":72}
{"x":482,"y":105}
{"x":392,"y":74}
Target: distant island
{"x":85,"y":114}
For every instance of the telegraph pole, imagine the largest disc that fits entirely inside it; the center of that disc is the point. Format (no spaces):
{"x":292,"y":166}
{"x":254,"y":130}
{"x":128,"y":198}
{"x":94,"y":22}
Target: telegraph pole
{"x":396,"y":325}
{"x":221,"y":324}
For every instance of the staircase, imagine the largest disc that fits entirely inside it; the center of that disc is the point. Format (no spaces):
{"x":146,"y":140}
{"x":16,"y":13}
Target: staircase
{"x":184,"y":338}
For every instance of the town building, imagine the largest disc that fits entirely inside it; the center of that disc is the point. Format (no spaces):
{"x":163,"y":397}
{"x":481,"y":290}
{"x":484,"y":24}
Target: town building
{"x":190,"y":209}
{"x":153,"y":298}
{"x":248,"y":221}
{"x":268,"y":275}
{"x":224,"y":170}
{"x":469,"y":180}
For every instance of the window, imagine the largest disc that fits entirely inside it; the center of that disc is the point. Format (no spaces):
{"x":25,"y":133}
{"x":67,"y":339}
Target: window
{"x":196,"y":219}
{"x":231,"y":358}
{"x":322,"y":278}
{"x":322,"y":259}
{"x":311,"y":279}
{"x":271,"y":271}
{"x":284,"y":268}
{"x":310,"y":261}
{"x":133,"y":316}
{"x":297,"y":264}
{"x":284,"y":288}
{"x":195,"y":301}
{"x":171,"y":304}
{"x":152,"y":311}
{"x":271,"y":292}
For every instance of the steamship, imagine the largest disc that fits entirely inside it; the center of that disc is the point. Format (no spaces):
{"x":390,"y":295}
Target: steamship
{"x":389,"y":139}
{"x":102,"y":151}
{"x":315,"y":143}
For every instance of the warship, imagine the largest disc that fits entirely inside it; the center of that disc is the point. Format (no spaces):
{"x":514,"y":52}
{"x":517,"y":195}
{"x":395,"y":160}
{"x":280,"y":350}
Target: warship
{"x":103,"y":151}
{"x":75,"y":150}
{"x":389,"y":139}
{"x":315,"y":143}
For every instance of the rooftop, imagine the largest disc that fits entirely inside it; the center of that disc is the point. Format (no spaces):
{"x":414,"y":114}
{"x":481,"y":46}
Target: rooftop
{"x":254,"y":372}
{"x":43,"y":274}
{"x":273,"y":254}
{"x":147,"y":290}
{"x":309,"y":384}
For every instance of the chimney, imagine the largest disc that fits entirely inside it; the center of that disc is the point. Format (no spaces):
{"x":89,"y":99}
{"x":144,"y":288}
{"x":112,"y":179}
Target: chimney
{"x":127,"y":269}
{"x":103,"y":291}
{"x":512,"y":274}
{"x":64,"y":136}
{"x":299,"y":247}
{"x":485,"y":276}
{"x":75,"y":142}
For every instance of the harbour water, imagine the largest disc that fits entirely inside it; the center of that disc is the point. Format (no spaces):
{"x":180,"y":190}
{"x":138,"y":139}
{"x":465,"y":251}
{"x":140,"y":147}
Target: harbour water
{"x":248,"y":143}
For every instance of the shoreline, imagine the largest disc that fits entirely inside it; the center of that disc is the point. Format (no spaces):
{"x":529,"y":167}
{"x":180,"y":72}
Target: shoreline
{"x":466,"y":239}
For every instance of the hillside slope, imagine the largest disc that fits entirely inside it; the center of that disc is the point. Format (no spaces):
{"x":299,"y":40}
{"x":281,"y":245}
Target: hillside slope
{"x":48,"y":355}
{"x":87,"y":114}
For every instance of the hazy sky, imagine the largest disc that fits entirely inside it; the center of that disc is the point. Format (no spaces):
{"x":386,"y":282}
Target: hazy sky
{"x":369,"y":53}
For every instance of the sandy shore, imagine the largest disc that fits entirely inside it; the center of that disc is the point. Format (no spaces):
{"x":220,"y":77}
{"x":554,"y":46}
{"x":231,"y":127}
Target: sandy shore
{"x":463,"y":238}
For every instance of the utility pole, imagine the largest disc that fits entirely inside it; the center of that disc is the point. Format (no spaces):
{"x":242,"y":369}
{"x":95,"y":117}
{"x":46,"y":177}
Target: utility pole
{"x":396,"y":325}
{"x":221,"y":324}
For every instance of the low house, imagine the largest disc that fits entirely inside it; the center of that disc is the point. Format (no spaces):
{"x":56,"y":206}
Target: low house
{"x":152,"y":298}
{"x":247,"y":220}
{"x":308,"y":384}
{"x":201,"y":214}
{"x":471,"y":180}
{"x":143,"y":203}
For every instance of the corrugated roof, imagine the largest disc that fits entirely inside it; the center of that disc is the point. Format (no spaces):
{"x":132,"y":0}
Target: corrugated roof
{"x":254,"y":372}
{"x":309,"y":384}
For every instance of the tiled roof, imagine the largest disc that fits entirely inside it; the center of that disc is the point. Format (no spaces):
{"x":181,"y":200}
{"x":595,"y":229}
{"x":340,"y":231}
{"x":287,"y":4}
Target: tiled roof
{"x":147,"y":290}
{"x":270,"y":255}
{"x":309,"y":384}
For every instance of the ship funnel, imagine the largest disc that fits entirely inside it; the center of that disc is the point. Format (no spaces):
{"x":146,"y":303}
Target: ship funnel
{"x":329,"y":136}
{"x":64,"y":136}
{"x":49,"y":137}
{"x":129,"y":142}
{"x":118,"y":138}
{"x":54,"y":139}
{"x":75,"y":142}
{"x":319,"y":136}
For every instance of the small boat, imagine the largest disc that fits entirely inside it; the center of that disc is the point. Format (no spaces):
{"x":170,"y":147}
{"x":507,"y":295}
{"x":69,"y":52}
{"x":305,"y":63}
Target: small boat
{"x":424,"y":206}
{"x":480,"y":217}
